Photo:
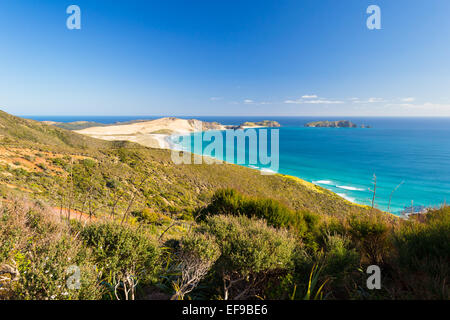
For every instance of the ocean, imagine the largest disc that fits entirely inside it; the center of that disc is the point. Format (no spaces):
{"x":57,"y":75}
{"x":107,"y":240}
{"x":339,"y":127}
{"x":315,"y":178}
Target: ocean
{"x":411,"y":152}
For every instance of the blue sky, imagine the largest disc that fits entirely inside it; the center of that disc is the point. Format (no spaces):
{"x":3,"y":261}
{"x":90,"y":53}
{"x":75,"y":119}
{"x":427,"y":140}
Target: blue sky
{"x":298,"y":57}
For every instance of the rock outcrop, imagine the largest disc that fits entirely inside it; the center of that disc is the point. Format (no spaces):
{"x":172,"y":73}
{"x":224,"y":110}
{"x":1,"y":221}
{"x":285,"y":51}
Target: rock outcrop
{"x":331,"y":124}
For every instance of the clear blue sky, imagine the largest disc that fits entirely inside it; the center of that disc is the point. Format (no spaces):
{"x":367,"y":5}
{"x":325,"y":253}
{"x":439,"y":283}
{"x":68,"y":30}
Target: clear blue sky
{"x":225,"y":57}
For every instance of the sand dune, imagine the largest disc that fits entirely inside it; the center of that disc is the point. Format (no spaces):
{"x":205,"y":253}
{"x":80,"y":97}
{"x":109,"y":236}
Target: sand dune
{"x":156,"y":133}
{"x":152,"y":133}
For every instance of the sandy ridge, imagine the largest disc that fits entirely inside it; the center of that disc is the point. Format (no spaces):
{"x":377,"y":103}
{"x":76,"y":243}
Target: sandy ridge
{"x":154,"y":133}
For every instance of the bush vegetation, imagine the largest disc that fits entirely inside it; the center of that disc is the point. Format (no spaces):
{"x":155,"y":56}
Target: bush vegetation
{"x":38,"y":251}
{"x":229,"y":201}
{"x":251,"y":253}
{"x":226,"y":256}
{"x":123,"y":256}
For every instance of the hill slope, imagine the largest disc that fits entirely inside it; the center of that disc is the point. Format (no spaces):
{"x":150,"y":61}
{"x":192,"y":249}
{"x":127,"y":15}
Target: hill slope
{"x":15,"y":130}
{"x":58,"y":165}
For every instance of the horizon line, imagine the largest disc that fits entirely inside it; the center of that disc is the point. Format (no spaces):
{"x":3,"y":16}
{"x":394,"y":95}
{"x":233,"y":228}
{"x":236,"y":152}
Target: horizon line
{"x":206,"y":115}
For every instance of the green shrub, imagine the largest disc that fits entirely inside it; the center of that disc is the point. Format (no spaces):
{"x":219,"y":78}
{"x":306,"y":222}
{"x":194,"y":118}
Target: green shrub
{"x":229,"y":201}
{"x":146,"y":215}
{"x":202,"y":246}
{"x":339,"y":257}
{"x":425,"y":241}
{"x":28,"y":158}
{"x":122,"y":254}
{"x":89,"y":163}
{"x":59,"y":162}
{"x":112,"y":183}
{"x":293,"y":284}
{"x":43,"y":252}
{"x":371,"y":234}
{"x":197,"y":253}
{"x":422,"y":266}
{"x":250,"y":251}
{"x":42,"y":166}
{"x":21,"y":173}
{"x":45,"y":271}
{"x":334,"y":262}
{"x":332,"y":225}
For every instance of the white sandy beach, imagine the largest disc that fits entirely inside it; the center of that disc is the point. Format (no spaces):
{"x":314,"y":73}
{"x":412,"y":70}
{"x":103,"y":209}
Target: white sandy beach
{"x":154,"y":133}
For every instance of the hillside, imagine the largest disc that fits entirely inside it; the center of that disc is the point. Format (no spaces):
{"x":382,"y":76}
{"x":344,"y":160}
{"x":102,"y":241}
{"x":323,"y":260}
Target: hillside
{"x":75,"y":125}
{"x":36,"y":156}
{"x":24,"y":132}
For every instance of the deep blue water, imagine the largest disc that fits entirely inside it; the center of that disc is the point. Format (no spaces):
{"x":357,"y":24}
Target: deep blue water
{"x":413,"y":150}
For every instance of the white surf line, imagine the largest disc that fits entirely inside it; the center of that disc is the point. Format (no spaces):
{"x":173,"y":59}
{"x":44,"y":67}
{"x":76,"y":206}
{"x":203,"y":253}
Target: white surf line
{"x":350,"y":188}
{"x":343,"y":195}
{"x":325,"y":182}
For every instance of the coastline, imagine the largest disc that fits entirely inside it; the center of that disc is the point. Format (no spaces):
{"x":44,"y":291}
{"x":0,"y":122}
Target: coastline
{"x":311,"y":185}
{"x":157,"y":133}
{"x":160,"y":133}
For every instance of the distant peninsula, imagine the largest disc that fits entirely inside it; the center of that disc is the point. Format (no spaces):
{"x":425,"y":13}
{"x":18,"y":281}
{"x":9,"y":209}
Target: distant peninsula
{"x":334,"y":124}
{"x":80,"y":125}
{"x":75,"y":125}
{"x":260,"y":124}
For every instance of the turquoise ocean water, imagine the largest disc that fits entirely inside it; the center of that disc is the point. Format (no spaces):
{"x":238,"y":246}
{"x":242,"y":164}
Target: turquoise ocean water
{"x":415,"y":151}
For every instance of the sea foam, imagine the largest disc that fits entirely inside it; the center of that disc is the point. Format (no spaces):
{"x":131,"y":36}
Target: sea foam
{"x":327,"y":182}
{"x":343,"y":195}
{"x":268,"y":171}
{"x":350,"y":188}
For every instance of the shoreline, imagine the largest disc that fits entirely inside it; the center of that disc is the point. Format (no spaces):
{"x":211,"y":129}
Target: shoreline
{"x":157,"y":133}
{"x":160,"y":133}
{"x":310,"y":184}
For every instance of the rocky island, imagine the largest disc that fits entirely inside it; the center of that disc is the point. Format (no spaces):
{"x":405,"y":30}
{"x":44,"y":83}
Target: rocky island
{"x":331,"y":124}
{"x":334,"y":124}
{"x":259,"y":124}
{"x":264,"y":123}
